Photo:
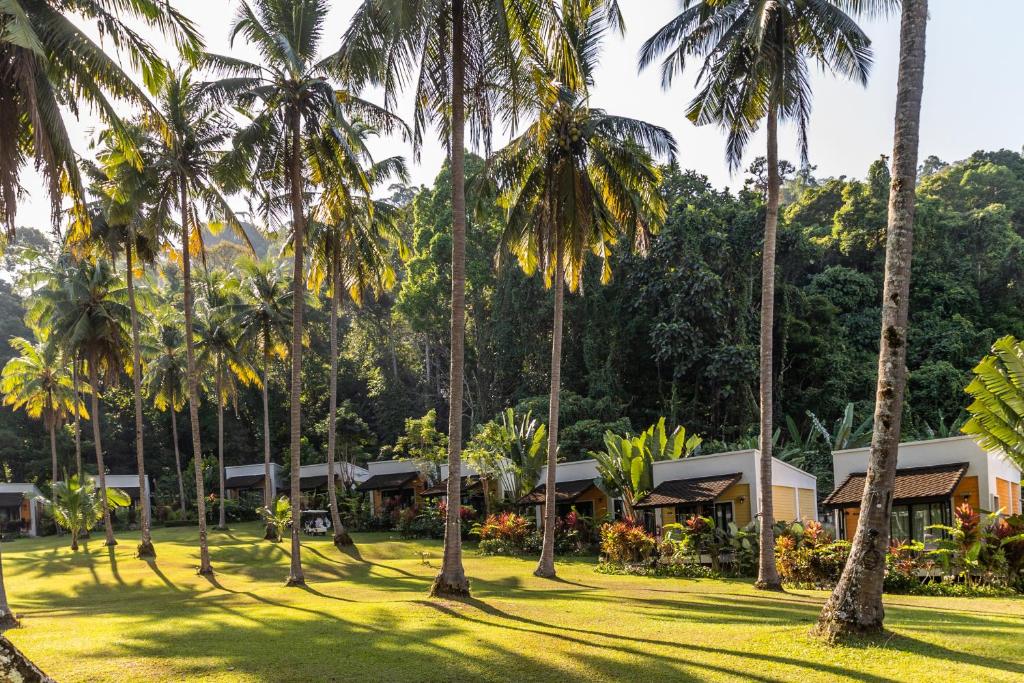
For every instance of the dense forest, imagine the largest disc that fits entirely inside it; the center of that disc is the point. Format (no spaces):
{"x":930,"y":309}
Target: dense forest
{"x":675,"y":332}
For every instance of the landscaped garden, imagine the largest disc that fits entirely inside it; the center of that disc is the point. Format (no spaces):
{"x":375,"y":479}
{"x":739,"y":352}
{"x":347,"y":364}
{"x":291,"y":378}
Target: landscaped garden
{"x":101,"y":615}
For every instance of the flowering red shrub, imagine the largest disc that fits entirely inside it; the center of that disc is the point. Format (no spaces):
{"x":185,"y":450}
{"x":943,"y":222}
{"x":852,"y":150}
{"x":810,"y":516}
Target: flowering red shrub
{"x":626,"y":542}
{"x":507,"y":526}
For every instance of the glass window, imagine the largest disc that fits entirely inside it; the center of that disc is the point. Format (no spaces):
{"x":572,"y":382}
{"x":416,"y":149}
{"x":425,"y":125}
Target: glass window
{"x":900,"y":523}
{"x":723,"y":515}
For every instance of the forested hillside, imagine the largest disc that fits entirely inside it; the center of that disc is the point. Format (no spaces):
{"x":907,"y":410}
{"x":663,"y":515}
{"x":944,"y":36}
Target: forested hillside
{"x":675,"y":333}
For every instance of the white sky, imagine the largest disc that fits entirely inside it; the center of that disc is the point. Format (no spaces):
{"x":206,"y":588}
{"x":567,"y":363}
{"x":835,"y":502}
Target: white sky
{"x":973,"y":95}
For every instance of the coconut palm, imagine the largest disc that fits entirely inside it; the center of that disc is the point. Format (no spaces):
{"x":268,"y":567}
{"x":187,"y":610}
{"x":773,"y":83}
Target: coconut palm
{"x":76,"y":505}
{"x":186,"y":142}
{"x":89,"y":320}
{"x":757,"y":55}
{"x":50,"y":62}
{"x":462,"y":56}
{"x":262,"y":316}
{"x":220,"y":350}
{"x":855,"y":605}
{"x":292,"y":102}
{"x":39,"y":380}
{"x":165,"y":379}
{"x":578,"y":180}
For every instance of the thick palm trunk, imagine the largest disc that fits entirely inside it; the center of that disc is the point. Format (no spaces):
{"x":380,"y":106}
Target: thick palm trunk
{"x":451,"y":580}
{"x":546,"y":565}
{"x":145,"y":547}
{"x":221,"y":519}
{"x":268,"y":488}
{"x":100,"y":466}
{"x":855,"y":605}
{"x":295,"y":575}
{"x":341,"y":535}
{"x":78,"y":419}
{"x":177,"y":457}
{"x":205,"y":569}
{"x":53,"y":451}
{"x":7,"y":618}
{"x":767,"y":574}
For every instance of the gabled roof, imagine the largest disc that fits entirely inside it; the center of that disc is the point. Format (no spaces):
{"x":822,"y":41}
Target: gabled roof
{"x":469,"y":483}
{"x":688,"y":491}
{"x":244,"y":481}
{"x":565,"y":492}
{"x":914,"y":483}
{"x":395,"y":480}
{"x":11,"y":499}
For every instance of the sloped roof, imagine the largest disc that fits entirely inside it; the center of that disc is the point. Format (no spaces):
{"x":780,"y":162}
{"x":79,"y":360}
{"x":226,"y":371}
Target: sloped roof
{"x":914,"y":483}
{"x":395,"y":480}
{"x":565,"y":492}
{"x":244,"y":481}
{"x":469,"y":483}
{"x":688,"y":491}
{"x":10,"y":499}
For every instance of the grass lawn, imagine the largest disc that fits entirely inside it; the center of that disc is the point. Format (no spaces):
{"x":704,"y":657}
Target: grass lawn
{"x":104,"y":615}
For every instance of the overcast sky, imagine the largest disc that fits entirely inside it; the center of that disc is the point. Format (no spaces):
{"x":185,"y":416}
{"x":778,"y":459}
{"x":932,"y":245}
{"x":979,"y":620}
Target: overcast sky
{"x":973,"y":93}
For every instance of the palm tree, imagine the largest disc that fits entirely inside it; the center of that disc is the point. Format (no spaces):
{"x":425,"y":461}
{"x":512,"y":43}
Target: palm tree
{"x":187,"y":142}
{"x":855,"y":605}
{"x":292,"y":101}
{"x":89,"y":319}
{"x":756,"y":59}
{"x":352,"y":252}
{"x":38,"y":381}
{"x":463,"y":57}
{"x":262,"y":315}
{"x":574,"y":182}
{"x":76,"y":505}
{"x":50,"y":62}
{"x":219,"y":348}
{"x":165,"y":380}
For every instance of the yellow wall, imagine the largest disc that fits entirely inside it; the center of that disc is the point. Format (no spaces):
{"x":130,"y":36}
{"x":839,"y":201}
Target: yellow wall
{"x":740,"y":511}
{"x":852,"y":517}
{"x":668,"y":516}
{"x":1015,"y":496}
{"x":968,"y":487}
{"x":784,"y":503}
{"x":1003,"y":492}
{"x":808,"y":504}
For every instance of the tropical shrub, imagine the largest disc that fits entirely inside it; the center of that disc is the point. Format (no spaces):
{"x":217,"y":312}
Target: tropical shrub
{"x":506,"y":533}
{"x":279,"y":517}
{"x":76,"y":505}
{"x":807,"y":557}
{"x":626,"y":542}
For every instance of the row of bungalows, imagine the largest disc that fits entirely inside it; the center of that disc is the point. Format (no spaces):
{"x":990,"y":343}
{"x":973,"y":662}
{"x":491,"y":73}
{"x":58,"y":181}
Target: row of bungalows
{"x":21,"y":509}
{"x":248,"y":482}
{"x":721,"y":486}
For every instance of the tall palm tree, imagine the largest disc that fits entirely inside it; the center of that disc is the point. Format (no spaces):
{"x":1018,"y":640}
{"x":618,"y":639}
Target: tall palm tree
{"x":292,"y":100}
{"x":262,"y":316}
{"x":165,"y":380}
{"x":219,"y":349}
{"x":187,"y":141}
{"x":855,"y":605}
{"x":39,"y":380}
{"x":352,"y":252}
{"x":576,"y":181}
{"x":50,"y":62}
{"x":757,"y":55}
{"x":90,"y":319}
{"x":462,"y":56}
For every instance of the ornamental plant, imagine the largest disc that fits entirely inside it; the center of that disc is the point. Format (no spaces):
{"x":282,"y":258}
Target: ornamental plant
{"x":626,"y":542}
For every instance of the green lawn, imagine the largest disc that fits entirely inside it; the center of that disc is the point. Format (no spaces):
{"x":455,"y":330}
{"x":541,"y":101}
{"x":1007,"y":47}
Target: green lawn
{"x":101,"y":615}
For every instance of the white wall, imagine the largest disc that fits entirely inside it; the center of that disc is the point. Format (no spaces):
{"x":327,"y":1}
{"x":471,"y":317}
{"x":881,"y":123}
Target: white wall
{"x":392,"y":466}
{"x":571,"y":471}
{"x":358,"y":474}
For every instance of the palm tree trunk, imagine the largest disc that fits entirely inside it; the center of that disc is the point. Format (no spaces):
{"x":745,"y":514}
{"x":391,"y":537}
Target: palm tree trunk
{"x":7,"y":618}
{"x":451,"y":580}
{"x":221,"y":519}
{"x":177,"y":457}
{"x":341,"y":535}
{"x":855,"y":605}
{"x":546,"y":565}
{"x":767,"y":574}
{"x":100,"y":466}
{"x":78,"y":419}
{"x":53,"y":449}
{"x":268,"y":489}
{"x":145,"y":547}
{"x":205,"y":569}
{"x":296,"y":576}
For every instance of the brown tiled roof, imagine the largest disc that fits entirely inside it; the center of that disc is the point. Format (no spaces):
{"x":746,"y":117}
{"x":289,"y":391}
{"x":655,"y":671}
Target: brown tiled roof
{"x":441,"y":489}
{"x":688,"y":491}
{"x":396,"y":480}
{"x":914,"y":483}
{"x":565,"y":492}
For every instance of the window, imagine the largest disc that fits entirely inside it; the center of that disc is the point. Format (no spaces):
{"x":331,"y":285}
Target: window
{"x":899,"y":524}
{"x":911,"y":522}
{"x":723,"y":515}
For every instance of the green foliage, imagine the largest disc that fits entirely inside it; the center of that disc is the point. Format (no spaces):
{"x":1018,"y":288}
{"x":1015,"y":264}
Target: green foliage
{"x":422,"y":442}
{"x":626,"y":543}
{"x":77,"y":506}
{"x":997,"y":412}
{"x":279,"y":517}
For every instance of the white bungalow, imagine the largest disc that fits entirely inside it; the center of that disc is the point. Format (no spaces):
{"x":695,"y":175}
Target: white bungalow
{"x":19,"y":506}
{"x":248,"y":480}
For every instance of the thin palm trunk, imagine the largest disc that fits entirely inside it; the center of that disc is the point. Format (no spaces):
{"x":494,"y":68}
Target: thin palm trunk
{"x":268,"y":485}
{"x":221,"y":518}
{"x":452,"y":578}
{"x":53,"y":450}
{"x":205,"y":569}
{"x":295,"y":575}
{"x":7,"y":618}
{"x":101,"y":468}
{"x":145,"y":548}
{"x":855,"y":605}
{"x":177,"y":457}
{"x":546,"y":565}
{"x":78,"y":418}
{"x":767,"y":574}
{"x":341,"y":535}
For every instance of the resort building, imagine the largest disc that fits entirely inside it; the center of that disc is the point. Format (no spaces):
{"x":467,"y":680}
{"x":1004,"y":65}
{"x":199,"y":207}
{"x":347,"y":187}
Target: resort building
{"x":246,"y":482}
{"x":472,"y":488}
{"x":20,"y":510}
{"x":577,"y":485}
{"x":129,"y":483}
{"x":393,"y":485}
{"x":932,"y":479}
{"x":724,"y":487}
{"x":313,"y":481}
